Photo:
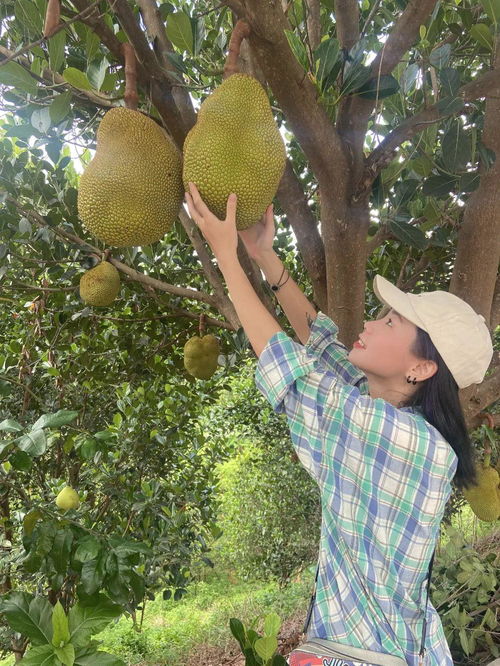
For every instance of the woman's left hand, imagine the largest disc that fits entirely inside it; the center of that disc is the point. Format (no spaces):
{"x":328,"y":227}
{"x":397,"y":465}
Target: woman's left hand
{"x":221,"y":235}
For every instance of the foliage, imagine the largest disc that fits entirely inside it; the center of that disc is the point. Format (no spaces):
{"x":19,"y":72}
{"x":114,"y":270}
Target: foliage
{"x":464,"y":590}
{"x":259,"y":650}
{"x":269,"y":512}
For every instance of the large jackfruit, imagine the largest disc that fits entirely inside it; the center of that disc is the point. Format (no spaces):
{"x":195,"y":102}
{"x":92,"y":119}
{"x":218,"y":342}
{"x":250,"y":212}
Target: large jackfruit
{"x":484,"y":497}
{"x":100,"y":285}
{"x":131,"y":192}
{"x":235,"y":146}
{"x":200,"y":356}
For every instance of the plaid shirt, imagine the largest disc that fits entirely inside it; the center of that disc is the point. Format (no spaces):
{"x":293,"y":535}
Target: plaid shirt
{"x":384,"y":476}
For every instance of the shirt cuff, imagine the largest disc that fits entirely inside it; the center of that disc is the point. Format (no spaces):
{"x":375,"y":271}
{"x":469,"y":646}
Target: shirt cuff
{"x":323,"y":333}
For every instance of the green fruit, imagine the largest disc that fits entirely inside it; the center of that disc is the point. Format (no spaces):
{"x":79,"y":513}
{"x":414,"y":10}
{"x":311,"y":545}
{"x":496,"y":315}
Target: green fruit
{"x":68,"y":499}
{"x":200,"y":356}
{"x":235,"y":146}
{"x":484,"y":498}
{"x":100,"y":285}
{"x":131,"y":192}
{"x":30,"y":519}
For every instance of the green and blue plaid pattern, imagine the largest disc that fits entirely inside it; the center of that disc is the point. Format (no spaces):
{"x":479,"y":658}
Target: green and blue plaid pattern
{"x":384,"y":475}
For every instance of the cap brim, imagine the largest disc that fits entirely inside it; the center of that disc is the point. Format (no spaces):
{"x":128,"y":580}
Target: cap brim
{"x":390,"y":295}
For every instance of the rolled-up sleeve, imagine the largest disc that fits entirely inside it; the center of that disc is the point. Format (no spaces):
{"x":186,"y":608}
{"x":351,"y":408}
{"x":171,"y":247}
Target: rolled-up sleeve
{"x":294,"y":381}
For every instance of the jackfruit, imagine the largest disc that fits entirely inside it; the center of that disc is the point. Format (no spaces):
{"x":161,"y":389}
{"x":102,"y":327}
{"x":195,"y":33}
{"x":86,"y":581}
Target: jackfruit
{"x":131,"y":192}
{"x":484,"y":498}
{"x":68,"y":499}
{"x":100,"y":285}
{"x":200,"y":356}
{"x":235,"y":146}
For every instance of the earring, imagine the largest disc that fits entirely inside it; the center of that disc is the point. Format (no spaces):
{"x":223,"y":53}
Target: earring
{"x":410,"y":381}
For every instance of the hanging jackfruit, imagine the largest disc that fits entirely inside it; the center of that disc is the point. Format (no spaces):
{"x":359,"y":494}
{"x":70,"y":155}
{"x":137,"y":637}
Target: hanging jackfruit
{"x":484,"y":497}
{"x":200,"y":356}
{"x":131,"y":192}
{"x":235,"y":146}
{"x":100,"y":285}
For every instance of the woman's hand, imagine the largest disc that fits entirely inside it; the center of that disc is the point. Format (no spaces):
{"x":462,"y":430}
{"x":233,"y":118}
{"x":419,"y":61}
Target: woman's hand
{"x":221,"y":235}
{"x":259,"y":238}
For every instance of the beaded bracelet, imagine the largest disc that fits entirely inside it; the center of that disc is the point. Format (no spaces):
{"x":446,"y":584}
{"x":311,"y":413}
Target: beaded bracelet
{"x":276,"y":287}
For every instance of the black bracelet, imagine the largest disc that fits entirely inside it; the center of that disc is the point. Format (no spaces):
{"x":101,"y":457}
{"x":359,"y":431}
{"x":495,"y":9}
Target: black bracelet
{"x":276,"y":287}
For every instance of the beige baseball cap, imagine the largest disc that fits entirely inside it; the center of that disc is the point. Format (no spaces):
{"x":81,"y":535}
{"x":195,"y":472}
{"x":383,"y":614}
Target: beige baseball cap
{"x":459,"y":334}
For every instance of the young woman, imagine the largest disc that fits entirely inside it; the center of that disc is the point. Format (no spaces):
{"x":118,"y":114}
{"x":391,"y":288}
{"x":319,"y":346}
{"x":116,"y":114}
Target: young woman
{"x":380,"y":429}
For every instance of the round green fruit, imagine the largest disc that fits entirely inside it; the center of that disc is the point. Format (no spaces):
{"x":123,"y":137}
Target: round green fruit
{"x":68,"y":499}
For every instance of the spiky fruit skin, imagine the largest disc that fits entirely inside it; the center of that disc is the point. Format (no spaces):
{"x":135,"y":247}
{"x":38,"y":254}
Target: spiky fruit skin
{"x":100,"y":285}
{"x":235,"y":146}
{"x":68,"y":499}
{"x":200,"y":356}
{"x":484,"y":498}
{"x":131,"y":192}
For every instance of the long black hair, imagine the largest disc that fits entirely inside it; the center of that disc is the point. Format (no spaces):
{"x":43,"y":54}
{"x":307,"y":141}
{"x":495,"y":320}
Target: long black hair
{"x":437,"y":397}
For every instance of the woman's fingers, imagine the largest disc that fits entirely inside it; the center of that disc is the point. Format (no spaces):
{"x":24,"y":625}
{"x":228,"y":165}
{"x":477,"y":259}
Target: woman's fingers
{"x":201,"y":206}
{"x":192,"y":209}
{"x":231,"y":207}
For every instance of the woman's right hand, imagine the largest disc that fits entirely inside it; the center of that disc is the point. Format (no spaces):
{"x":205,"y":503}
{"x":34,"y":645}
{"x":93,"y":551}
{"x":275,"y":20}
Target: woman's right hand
{"x":258,"y":239}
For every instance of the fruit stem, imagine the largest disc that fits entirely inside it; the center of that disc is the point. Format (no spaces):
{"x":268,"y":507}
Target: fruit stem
{"x":202,"y":325}
{"x":52,"y":17}
{"x":240,"y":31}
{"x":131,"y":97}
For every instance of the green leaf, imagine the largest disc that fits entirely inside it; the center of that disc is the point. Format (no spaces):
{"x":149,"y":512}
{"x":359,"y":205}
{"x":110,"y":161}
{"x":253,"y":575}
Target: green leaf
{"x":13,"y":74}
{"x":40,"y":656}
{"x":492,"y":8}
{"x":440,"y":57}
{"x":88,"y":549}
{"x":266,"y":646}
{"x":21,"y":461}
{"x":408,"y":234}
{"x":30,"y":616}
{"x":450,"y":105}
{"x":409,"y":78}
{"x":238,"y":631}
{"x":9,"y":425}
{"x":180,"y":31}
{"x":84,"y":621}
{"x":272,"y":624}
{"x":298,"y":49}
{"x":482,"y":35}
{"x":76,"y":78}
{"x":90,"y":657}
{"x":29,"y":15}
{"x":450,"y":81}
{"x":40,"y":119}
{"x":356,"y":76}
{"x":55,"y":420}
{"x":378,"y":88}
{"x":60,"y":627}
{"x":456,"y":148}
{"x":57,"y":44}
{"x":34,"y":443}
{"x":96,"y":72}
{"x":439,"y":186}
{"x":66,"y":654}
{"x":325,"y":57}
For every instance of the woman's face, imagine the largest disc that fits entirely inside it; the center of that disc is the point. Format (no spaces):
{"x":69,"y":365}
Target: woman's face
{"x":387,"y":353}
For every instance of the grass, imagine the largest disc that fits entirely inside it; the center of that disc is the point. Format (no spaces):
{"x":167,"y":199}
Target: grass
{"x":171,"y":630}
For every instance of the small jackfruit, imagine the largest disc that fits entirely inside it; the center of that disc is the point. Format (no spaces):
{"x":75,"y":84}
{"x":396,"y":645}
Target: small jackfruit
{"x":200,"y":356}
{"x":235,"y":146}
{"x":100,"y":285}
{"x":131,"y":192}
{"x":484,"y":498}
{"x":67,"y":499}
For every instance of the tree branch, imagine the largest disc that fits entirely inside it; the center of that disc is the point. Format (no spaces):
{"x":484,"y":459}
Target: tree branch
{"x":487,"y":85}
{"x":53,"y":77}
{"x":347,"y":22}
{"x":483,"y":396}
{"x":132,"y":273}
{"x":153,"y":79}
{"x":305,"y":227}
{"x":295,"y":93}
{"x":313,"y":23}
{"x":162,"y":47}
